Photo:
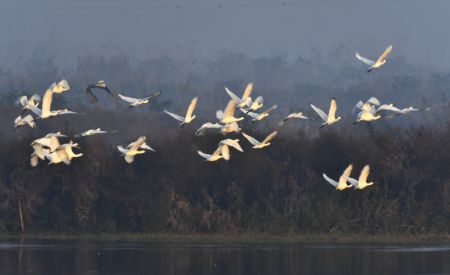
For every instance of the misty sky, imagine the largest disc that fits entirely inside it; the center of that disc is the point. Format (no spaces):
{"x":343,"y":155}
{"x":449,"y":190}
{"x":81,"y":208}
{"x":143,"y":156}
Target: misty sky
{"x":64,"y":30}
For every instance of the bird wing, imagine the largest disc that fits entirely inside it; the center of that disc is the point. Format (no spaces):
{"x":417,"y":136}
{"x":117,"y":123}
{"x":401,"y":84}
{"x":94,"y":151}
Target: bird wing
{"x":175,"y":116}
{"x":352,"y":181}
{"x":259,"y":99}
{"x":248,"y":91}
{"x":333,"y":108}
{"x":145,"y":146}
{"x":270,"y":109}
{"x":331,"y":181}
{"x":191,"y":107}
{"x":121,"y":149}
{"x":346,"y":174}
{"x":374,"y":101}
{"x":127,"y":99}
{"x":232,"y":143}
{"x":156,"y":94}
{"x":208,"y":125}
{"x":23,"y":100}
{"x":225,"y":151}
{"x":232,"y":95}
{"x":252,"y":114}
{"x":364,"y":60}
{"x":90,"y":94}
{"x":219,"y":114}
{"x":385,"y":54}
{"x":250,"y":139}
{"x":63,"y":85}
{"x":138,"y":143}
{"x":63,"y":156}
{"x":389,"y":107}
{"x":321,"y":113}
{"x":203,"y":155}
{"x":270,"y":137}
{"x":364,"y":174}
{"x":229,"y":110}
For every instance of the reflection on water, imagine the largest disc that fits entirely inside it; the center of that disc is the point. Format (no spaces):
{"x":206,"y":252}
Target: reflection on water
{"x":87,"y":257}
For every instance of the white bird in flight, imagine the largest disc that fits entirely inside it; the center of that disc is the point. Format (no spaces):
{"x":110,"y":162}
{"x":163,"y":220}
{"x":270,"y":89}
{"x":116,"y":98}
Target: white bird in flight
{"x":361,"y":183}
{"x":298,"y":115}
{"x":368,"y":115}
{"x":365,"y":106}
{"x":222,"y":150}
{"x":395,"y":110}
{"x":253,"y":105}
{"x":189,"y":117}
{"x":91,"y":132}
{"x":133,"y":149}
{"x":46,"y":111}
{"x":378,"y":63}
{"x":260,"y":144}
{"x":227,"y":116}
{"x":139,"y":101}
{"x":261,"y":116}
{"x":26,"y":120}
{"x":208,"y":126}
{"x":241,"y":102}
{"x":28,"y":103}
{"x":342,"y":184}
{"x":63,"y":153}
{"x":331,"y":117}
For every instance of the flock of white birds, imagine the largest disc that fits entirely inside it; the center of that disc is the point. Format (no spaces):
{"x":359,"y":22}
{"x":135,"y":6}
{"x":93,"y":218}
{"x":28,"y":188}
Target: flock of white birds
{"x":49,"y":147}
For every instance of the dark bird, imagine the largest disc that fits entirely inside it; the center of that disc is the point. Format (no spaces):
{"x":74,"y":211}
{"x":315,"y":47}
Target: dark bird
{"x":99,"y":85}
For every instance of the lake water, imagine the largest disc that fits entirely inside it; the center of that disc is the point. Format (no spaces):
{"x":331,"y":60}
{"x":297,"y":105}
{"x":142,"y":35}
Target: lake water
{"x":89,"y":257}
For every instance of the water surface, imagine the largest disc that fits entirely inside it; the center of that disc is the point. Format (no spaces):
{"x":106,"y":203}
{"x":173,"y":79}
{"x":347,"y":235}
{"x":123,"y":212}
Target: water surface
{"x":118,"y":257}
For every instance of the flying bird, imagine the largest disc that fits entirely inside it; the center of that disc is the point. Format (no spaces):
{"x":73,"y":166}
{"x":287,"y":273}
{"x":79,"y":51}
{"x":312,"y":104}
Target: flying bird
{"x":189,"y":117}
{"x":91,"y":132}
{"x":361,"y":183}
{"x":253,"y":105}
{"x":99,"y":85}
{"x":208,"y":126}
{"x":139,"y":101}
{"x":245,"y":99}
{"x":26,"y":120}
{"x":222,"y":151}
{"x":331,"y":117}
{"x":63,"y":153}
{"x":46,"y":111}
{"x":232,"y":143}
{"x":227,"y":116}
{"x":133,"y":149}
{"x":378,"y":63}
{"x":368,"y":115}
{"x":232,"y":127}
{"x":342,"y":184}
{"x":260,"y":144}
{"x":28,"y":103}
{"x":298,"y":115}
{"x":261,"y":116}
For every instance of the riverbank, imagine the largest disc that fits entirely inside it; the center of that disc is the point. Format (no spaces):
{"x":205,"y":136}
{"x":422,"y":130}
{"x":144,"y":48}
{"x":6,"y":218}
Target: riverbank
{"x":242,"y":238}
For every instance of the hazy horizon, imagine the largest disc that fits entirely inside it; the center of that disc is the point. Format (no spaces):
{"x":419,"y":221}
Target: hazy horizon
{"x":65,"y":30}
